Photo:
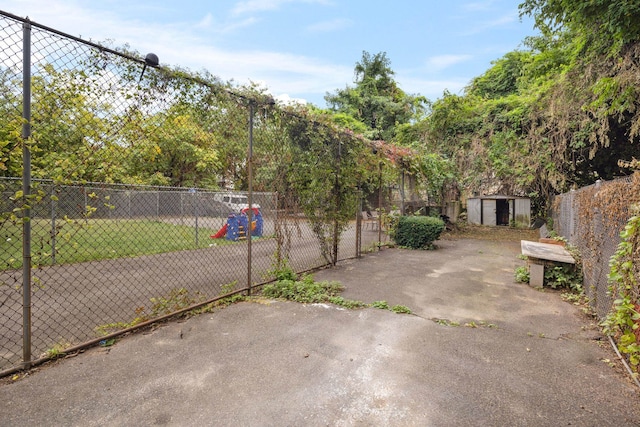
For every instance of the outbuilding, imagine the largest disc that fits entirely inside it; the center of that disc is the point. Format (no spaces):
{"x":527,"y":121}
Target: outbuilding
{"x":499,"y":210}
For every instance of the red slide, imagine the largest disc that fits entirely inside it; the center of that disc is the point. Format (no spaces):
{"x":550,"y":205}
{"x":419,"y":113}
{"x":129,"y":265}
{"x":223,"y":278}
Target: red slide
{"x":220,"y":232}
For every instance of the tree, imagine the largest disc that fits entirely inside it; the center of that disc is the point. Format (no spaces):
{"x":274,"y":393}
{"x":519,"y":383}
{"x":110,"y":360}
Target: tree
{"x":68,"y":126}
{"x":10,"y":125}
{"x":503,"y":77}
{"x":610,"y":22}
{"x":178,"y":147}
{"x":376,"y":100}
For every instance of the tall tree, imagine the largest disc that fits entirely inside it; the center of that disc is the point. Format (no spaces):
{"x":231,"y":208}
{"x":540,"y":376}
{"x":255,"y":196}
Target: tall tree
{"x":376,"y":100}
{"x":612,"y":23}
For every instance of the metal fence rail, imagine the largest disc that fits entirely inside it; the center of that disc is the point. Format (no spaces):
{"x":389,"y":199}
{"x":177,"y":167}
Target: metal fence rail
{"x":591,"y":219}
{"x":82,"y":256}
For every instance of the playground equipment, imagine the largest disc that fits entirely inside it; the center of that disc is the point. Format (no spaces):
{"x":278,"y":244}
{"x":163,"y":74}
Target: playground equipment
{"x":236,"y":225}
{"x":221,"y":232}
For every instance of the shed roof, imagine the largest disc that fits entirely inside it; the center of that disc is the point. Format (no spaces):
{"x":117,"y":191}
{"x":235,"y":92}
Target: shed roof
{"x":497,"y":197}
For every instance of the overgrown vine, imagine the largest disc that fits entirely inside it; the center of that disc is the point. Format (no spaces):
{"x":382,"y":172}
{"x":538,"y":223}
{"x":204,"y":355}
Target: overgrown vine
{"x":623,"y":322}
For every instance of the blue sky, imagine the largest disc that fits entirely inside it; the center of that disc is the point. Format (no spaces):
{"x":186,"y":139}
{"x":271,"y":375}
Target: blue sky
{"x":301,"y":49}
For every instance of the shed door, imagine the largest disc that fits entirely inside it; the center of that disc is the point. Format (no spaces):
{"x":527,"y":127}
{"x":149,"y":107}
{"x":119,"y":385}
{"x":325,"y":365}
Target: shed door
{"x":488,"y":212}
{"x":502,"y":212}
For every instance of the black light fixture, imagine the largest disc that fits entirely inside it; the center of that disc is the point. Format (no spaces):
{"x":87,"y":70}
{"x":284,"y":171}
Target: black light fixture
{"x":151,"y":60}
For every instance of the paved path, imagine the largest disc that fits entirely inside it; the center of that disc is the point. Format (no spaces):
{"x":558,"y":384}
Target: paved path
{"x":71,"y":300}
{"x":524,"y":358}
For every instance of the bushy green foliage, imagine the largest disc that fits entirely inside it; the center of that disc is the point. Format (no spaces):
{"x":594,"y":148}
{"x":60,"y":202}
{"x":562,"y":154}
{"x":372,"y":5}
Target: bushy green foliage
{"x":522,"y":274}
{"x":502,"y":78}
{"x":623,"y":321}
{"x":283,"y":271}
{"x":418,"y":232}
{"x":616,"y":20}
{"x":558,"y":276}
{"x":563,"y":276}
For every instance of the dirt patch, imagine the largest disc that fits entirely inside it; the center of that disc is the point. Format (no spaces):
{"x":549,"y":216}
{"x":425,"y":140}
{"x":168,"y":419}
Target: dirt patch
{"x":506,"y":234}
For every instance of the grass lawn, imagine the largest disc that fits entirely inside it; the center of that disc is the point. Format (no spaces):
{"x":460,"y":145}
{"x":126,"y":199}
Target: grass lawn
{"x":97,"y":239}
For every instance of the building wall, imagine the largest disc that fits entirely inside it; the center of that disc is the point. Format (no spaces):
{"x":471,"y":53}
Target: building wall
{"x":523,"y":212}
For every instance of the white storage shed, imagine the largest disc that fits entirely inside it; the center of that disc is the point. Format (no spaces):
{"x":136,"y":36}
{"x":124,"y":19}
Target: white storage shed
{"x":499,"y":210}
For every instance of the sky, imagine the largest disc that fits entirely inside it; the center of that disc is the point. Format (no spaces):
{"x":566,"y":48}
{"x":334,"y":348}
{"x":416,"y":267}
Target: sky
{"x":301,"y":49}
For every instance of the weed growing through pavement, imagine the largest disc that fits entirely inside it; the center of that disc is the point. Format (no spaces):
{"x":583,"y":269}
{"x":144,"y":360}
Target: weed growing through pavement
{"x":398,"y":309}
{"x":305,"y":289}
{"x":382,"y":305}
{"x":471,"y":324}
{"x":401,"y":309}
{"x":176,"y":300}
{"x":446,"y":322}
{"x":58,"y":349}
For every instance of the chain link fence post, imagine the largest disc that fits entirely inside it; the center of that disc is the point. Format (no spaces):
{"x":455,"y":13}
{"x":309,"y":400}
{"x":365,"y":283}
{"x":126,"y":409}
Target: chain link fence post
{"x":26,"y":194}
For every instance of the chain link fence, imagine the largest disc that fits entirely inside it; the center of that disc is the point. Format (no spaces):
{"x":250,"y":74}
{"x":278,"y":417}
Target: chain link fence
{"x":112,"y":213}
{"x":591,"y":219}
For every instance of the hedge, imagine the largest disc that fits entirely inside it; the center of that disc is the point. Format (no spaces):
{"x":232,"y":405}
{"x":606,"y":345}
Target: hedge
{"x":418,"y":232}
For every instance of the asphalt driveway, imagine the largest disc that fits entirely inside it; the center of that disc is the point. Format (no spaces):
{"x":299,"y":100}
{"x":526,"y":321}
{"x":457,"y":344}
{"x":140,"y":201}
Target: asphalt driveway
{"x":478,"y":350}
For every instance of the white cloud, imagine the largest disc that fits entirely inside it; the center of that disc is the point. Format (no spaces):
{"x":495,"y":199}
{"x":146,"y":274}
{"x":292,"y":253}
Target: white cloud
{"x":281,"y":72}
{"x":205,"y":22}
{"x":181,"y":44}
{"x":285,"y":99}
{"x":330,"y":26}
{"x":499,"y":22}
{"x":438,"y":63}
{"x":235,"y":25}
{"x":257,"y":6}
{"x":249,"y":6}
{"x":11,"y":47}
{"x":195,"y":45}
{"x":478,"y":5}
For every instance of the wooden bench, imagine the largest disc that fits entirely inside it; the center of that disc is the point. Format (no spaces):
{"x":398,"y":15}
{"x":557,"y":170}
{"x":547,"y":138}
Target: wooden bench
{"x":540,"y":255}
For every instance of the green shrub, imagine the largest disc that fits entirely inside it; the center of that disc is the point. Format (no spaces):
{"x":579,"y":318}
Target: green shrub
{"x":522,"y":274}
{"x":418,"y":232}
